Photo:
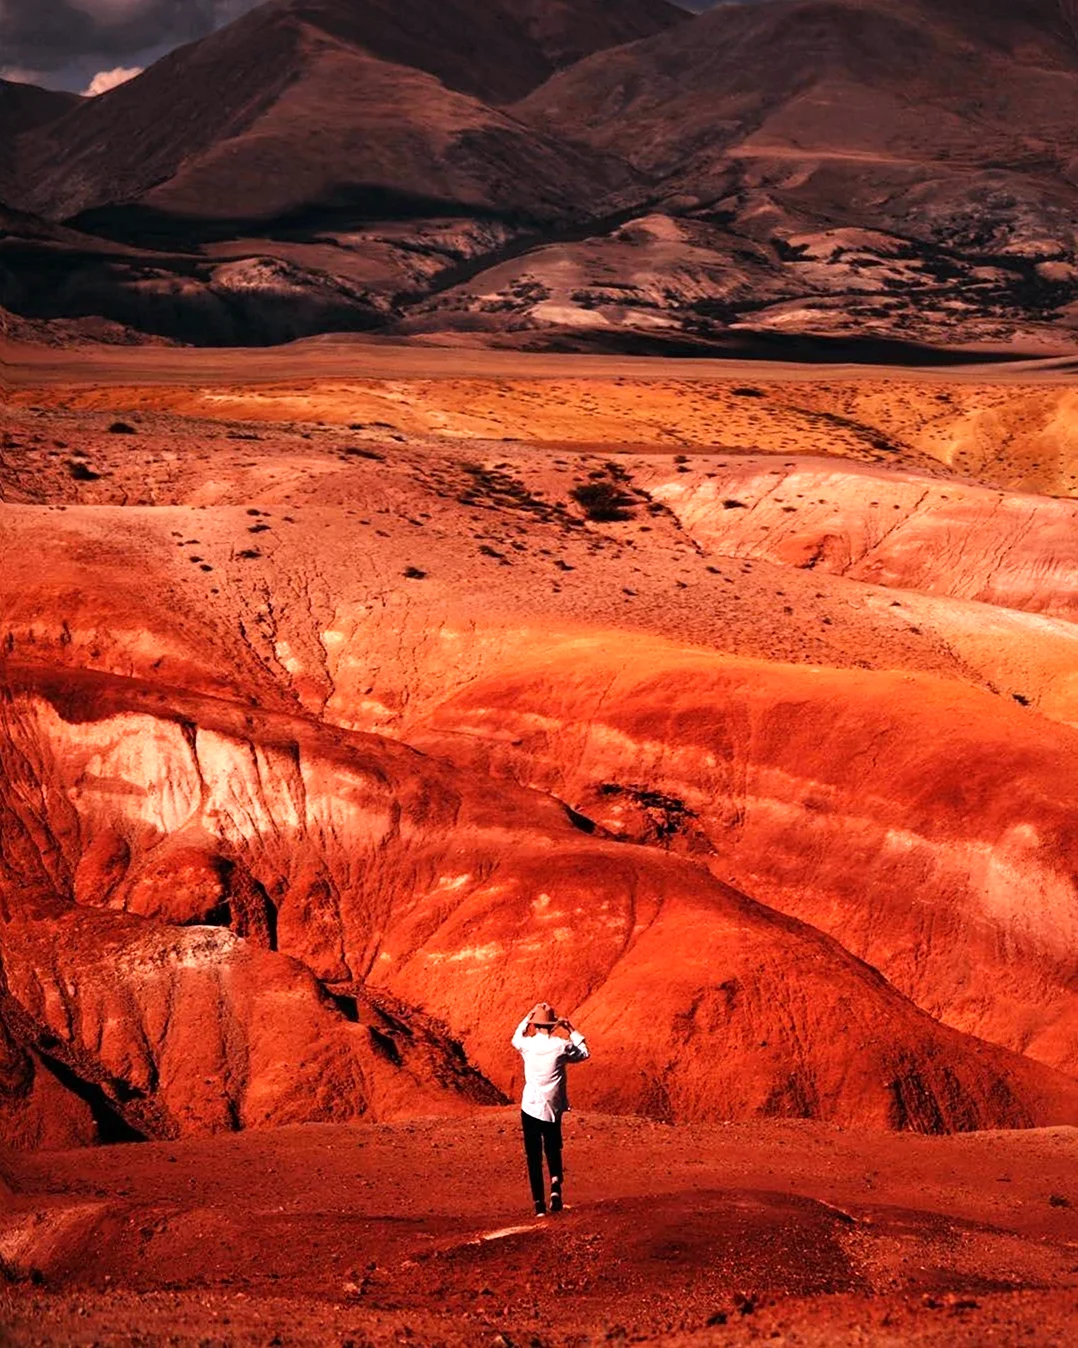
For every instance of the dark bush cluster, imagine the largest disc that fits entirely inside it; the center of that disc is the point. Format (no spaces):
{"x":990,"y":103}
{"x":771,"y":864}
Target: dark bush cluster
{"x":82,"y":472}
{"x":604,"y":500}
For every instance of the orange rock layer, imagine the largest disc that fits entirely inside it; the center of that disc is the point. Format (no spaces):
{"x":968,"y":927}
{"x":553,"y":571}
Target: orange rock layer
{"x":324,"y":753}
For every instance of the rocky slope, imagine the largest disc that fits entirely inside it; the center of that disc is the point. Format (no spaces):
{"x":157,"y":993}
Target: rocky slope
{"x":312,"y":122}
{"x":370,"y":864}
{"x":444,"y":722}
{"x":119,"y":1029}
{"x":295,"y":171}
{"x":804,"y":188}
{"x":801,"y":128}
{"x":23,"y":108}
{"x":724,"y":761}
{"x":888,"y":179}
{"x":377,"y":99}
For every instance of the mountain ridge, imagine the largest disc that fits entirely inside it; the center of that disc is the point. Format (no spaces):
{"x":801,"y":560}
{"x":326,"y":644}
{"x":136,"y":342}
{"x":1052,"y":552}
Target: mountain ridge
{"x":898,"y":172}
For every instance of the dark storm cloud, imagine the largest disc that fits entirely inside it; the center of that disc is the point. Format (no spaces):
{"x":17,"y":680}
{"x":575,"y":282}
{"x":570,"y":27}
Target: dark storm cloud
{"x":57,"y":38}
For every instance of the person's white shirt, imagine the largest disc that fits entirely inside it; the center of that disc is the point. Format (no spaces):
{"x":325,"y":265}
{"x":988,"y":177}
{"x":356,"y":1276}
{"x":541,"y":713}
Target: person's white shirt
{"x":545,"y":1057}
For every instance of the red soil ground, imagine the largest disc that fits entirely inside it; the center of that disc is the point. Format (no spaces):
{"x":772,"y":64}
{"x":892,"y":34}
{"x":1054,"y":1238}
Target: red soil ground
{"x":334,"y":722}
{"x":787,"y":1232}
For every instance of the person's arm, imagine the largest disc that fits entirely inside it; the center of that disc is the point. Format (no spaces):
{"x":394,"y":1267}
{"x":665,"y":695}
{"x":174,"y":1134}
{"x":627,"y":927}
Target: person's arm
{"x":520,"y":1037}
{"x":576,"y":1050}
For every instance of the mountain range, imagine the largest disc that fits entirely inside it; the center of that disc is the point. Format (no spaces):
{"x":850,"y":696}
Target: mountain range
{"x":864,"y":175}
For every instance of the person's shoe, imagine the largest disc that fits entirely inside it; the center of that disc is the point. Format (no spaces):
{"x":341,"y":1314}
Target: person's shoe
{"x":555,"y":1198}
{"x":540,"y":1209}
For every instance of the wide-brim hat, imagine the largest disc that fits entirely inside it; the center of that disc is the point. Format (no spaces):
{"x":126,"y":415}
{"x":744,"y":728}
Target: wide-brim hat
{"x":543,"y":1017}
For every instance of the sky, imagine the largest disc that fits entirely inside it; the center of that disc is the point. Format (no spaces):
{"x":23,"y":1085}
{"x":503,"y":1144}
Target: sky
{"x":65,"y":44}
{"x":90,"y":45}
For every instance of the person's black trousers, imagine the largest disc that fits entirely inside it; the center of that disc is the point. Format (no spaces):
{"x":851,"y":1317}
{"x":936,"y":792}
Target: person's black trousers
{"x":539,"y":1136}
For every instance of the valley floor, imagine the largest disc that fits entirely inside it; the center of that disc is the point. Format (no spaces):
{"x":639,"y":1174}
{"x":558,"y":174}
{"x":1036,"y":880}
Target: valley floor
{"x":783,"y":1231}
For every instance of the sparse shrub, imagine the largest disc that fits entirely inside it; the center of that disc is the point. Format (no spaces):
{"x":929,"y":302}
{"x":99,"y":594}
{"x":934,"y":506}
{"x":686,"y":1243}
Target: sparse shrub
{"x":82,"y":472}
{"x":604,"y":501}
{"x":414,"y":573}
{"x":122,"y":428}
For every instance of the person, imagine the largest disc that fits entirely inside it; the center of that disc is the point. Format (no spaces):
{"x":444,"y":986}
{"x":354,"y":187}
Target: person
{"x":544,"y":1100}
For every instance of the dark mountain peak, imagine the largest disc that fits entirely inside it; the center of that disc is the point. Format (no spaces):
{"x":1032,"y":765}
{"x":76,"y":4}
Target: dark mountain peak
{"x":496,"y":50}
{"x":23,"y":108}
{"x":790,"y":158}
{"x":567,"y":30}
{"x":353,"y":106}
{"x":26,"y":106}
{"x":112,"y":149}
{"x":726,"y":72}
